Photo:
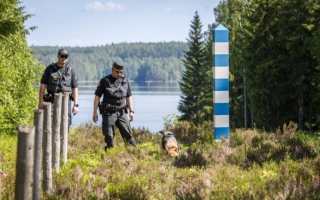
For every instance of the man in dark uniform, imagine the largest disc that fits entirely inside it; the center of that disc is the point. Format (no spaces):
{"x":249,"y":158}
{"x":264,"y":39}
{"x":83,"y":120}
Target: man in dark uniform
{"x":117,"y":99}
{"x":59,"y":77}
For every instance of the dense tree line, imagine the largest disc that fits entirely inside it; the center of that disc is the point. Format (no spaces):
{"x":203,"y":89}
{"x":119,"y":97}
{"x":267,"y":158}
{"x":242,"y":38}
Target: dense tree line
{"x":274,"y":61}
{"x":19,"y":71}
{"x":144,"y":61}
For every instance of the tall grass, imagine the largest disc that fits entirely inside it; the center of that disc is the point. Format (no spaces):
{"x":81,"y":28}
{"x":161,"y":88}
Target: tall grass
{"x":251,"y":164}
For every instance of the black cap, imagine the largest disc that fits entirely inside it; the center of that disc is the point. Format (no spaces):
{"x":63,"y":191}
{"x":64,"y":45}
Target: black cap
{"x":62,"y":52}
{"x":119,"y":67}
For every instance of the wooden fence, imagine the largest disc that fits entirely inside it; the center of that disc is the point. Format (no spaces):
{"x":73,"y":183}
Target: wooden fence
{"x":40,"y":146}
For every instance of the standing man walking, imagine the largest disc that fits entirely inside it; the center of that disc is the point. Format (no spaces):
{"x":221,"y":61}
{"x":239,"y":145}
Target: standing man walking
{"x":59,"y":77}
{"x":117,"y":99}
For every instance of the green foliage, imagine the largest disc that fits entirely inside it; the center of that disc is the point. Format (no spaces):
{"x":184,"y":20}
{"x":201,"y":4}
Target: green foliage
{"x":131,"y":188}
{"x":273,"y":61}
{"x":205,"y":169}
{"x":170,"y":121}
{"x":19,"y":72}
{"x":196,"y":98}
{"x":143,"y":61}
{"x":8,"y":156}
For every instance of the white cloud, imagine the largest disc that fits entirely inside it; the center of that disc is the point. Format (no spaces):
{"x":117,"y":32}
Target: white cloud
{"x":174,"y":8}
{"x":100,"y":7}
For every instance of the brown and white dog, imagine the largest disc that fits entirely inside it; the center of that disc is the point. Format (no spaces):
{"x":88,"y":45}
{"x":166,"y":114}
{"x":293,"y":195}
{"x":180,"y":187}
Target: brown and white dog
{"x":169,"y":143}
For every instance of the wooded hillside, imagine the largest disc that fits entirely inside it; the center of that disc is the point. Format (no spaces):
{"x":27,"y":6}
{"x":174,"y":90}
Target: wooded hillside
{"x":274,"y":62}
{"x":143,"y":61}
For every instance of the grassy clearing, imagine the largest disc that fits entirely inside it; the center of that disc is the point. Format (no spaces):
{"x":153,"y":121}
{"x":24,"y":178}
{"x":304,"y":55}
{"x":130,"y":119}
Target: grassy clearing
{"x":251,"y":165}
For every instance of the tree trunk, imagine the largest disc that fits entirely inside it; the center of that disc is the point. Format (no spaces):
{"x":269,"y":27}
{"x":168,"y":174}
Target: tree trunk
{"x":300,"y":111}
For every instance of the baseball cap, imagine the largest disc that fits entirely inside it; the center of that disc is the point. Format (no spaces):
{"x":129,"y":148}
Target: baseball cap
{"x":62,"y":52}
{"x":117,"y":66}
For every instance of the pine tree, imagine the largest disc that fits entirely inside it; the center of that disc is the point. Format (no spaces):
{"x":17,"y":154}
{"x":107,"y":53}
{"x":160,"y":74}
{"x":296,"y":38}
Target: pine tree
{"x":194,"y":84}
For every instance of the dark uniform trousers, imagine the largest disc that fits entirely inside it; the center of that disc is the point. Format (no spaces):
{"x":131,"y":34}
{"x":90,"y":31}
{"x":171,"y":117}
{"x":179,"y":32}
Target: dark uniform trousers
{"x":110,"y":119}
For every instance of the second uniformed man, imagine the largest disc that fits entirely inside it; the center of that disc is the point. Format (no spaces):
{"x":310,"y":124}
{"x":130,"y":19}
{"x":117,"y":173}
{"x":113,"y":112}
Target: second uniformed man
{"x":117,"y":100}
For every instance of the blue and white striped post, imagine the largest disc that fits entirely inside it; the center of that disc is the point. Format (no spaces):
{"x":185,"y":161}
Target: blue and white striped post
{"x":220,"y":52}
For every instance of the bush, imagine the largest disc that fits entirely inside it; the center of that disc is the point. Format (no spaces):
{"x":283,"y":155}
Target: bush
{"x":19,"y":72}
{"x":256,"y":166}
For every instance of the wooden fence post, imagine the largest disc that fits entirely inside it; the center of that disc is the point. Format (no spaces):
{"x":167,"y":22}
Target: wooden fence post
{"x":56,"y":132}
{"x":24,"y":165}
{"x":64,"y":126}
{"x":47,"y":147}
{"x":38,"y":123}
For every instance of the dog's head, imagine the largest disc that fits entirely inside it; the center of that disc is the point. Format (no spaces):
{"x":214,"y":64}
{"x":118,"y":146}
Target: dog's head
{"x":165,"y":133}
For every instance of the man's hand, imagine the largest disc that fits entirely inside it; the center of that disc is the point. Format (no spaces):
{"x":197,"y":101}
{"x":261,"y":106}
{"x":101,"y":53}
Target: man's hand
{"x":95,"y":107}
{"x":41,"y":93}
{"x":40,"y":106}
{"x":131,"y":115}
{"x":75,"y":110}
{"x":95,"y":117}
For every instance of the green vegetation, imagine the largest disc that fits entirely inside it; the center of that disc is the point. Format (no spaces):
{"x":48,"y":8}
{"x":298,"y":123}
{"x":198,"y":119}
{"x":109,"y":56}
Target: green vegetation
{"x":196,"y":84}
{"x":18,"y":70}
{"x":251,"y":165}
{"x":144,"y":61}
{"x":274,"y":61}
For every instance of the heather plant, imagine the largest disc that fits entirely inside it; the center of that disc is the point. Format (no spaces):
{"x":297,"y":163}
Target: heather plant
{"x":188,"y":133}
{"x":8,"y":154}
{"x":250,"y":164}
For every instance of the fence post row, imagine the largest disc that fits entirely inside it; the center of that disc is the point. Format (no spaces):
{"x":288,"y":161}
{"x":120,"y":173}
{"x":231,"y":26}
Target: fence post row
{"x":44,"y":137}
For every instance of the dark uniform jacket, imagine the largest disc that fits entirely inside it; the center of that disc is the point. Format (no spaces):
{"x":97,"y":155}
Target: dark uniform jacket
{"x":114,"y":90}
{"x":59,"y":79}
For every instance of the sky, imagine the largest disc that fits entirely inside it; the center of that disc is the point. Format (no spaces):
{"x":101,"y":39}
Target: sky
{"x":95,"y":23}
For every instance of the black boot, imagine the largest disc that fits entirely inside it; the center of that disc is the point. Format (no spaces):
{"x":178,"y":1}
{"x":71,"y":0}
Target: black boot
{"x":131,"y":142}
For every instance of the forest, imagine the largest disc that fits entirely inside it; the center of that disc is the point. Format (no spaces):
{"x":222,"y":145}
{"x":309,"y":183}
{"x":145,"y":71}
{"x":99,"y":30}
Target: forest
{"x":274,"y":62}
{"x":143,"y":61}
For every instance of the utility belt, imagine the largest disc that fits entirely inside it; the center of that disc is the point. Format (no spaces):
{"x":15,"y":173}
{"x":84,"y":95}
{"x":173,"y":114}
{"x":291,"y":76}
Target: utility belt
{"x":50,"y":97}
{"x":107,"y":107}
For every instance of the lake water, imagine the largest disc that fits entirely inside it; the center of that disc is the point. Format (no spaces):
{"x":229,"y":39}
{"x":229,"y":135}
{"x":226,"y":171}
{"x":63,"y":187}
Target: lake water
{"x":151,"y":102}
